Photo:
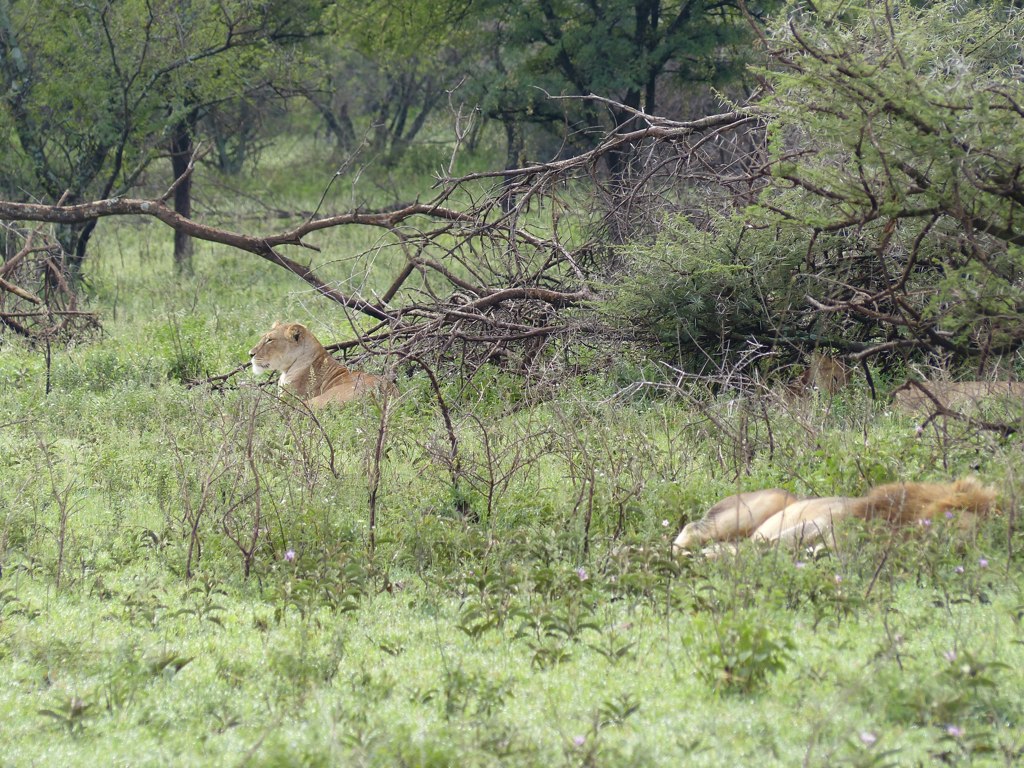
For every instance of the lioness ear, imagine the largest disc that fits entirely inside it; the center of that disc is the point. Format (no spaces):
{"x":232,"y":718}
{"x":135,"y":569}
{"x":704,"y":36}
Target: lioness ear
{"x":296,"y":332}
{"x":276,"y":323}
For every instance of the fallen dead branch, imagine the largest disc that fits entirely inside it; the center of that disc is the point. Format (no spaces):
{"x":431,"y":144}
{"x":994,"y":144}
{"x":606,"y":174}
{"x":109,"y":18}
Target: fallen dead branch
{"x":488,"y":282}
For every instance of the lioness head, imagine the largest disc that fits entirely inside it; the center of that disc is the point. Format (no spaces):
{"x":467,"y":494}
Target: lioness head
{"x":282,"y":347}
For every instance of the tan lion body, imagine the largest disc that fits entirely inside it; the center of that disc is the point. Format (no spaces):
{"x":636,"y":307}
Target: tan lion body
{"x":823,"y":373}
{"x":805,"y":521}
{"x":955,"y":395}
{"x":308,"y":371}
{"x":734,"y":517}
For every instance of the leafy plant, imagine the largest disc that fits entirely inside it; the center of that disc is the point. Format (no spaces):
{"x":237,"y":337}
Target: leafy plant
{"x":202,"y":602}
{"x":739,"y":653}
{"x":71,"y":713}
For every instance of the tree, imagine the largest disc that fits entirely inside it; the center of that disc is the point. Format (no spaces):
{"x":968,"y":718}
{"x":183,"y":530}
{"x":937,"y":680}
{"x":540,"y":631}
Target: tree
{"x":390,"y":64}
{"x":624,"y":50}
{"x":94,"y":93}
{"x":889,"y":205}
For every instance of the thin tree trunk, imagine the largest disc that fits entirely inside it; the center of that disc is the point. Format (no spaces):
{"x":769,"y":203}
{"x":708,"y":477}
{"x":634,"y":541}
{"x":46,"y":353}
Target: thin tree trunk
{"x":181,"y":154}
{"x":515,"y":147}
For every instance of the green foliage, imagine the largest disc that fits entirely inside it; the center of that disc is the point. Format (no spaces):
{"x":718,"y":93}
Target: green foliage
{"x":182,"y":342}
{"x":960,"y":687}
{"x":710,"y":287}
{"x":740,"y":653}
{"x":890,"y":216}
{"x":70,"y":714}
{"x":93,"y":93}
{"x":619,"y":49}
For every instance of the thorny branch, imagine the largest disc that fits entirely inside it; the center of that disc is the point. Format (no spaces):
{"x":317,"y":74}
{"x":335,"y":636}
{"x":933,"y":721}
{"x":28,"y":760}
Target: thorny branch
{"x":494,"y":280}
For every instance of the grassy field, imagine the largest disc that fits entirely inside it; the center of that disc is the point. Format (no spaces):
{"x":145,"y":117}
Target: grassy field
{"x":187,"y":576}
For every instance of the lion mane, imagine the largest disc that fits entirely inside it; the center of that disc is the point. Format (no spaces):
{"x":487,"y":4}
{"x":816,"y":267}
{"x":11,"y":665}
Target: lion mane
{"x":775,"y":515}
{"x":309,"y":372}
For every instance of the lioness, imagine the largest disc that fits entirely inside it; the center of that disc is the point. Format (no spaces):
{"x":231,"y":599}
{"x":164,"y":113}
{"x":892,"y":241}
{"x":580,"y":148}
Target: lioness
{"x":734,"y":517}
{"x":308,"y":371}
{"x":955,"y":395}
{"x":823,"y":373}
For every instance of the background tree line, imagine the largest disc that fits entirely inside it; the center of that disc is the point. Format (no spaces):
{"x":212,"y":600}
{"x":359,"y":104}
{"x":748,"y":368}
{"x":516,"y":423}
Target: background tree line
{"x":766,"y":178}
{"x":95,"y":94}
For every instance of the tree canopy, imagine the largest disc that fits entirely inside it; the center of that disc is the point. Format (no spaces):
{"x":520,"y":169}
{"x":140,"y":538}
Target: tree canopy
{"x":94,"y":93}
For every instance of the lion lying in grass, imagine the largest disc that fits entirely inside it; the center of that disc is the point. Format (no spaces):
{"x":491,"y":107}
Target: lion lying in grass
{"x":775,"y":515}
{"x":308,"y":371}
{"x":958,"y":396}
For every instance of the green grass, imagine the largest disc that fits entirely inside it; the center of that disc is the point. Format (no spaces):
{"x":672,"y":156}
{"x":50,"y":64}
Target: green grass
{"x":307,"y":666}
{"x":527,"y":638}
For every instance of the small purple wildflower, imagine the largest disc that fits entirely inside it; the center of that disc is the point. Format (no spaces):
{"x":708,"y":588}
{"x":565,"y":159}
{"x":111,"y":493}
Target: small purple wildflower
{"x":949,"y":656}
{"x":289,"y":555}
{"x":867,"y":738}
{"x":799,"y":564}
{"x":581,"y":572}
{"x":958,"y":569}
{"x":954,"y":731}
{"x":949,"y":514}
{"x":926,"y":523}
{"x":982,"y":563}
{"x":579,"y":741}
{"x":839,"y":579}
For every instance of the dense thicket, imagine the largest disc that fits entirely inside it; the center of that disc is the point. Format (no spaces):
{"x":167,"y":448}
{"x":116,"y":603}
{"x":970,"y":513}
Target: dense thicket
{"x":884,"y":213}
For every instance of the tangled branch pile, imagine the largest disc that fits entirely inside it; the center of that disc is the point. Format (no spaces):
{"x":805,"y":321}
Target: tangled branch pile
{"x":37,"y":302}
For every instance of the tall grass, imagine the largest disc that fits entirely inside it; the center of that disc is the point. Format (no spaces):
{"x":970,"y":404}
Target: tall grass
{"x":187,"y":576}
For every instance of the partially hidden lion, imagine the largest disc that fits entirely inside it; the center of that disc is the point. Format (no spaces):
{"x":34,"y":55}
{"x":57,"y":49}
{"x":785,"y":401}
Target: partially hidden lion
{"x":734,"y":517}
{"x":824,"y":373}
{"x":309,"y":372}
{"x":958,"y":396}
{"x":775,"y":516}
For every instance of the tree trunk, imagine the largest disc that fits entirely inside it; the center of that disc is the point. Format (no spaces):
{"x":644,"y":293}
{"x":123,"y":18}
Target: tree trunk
{"x":339,"y":124}
{"x":181,"y":154}
{"x":515,"y":147}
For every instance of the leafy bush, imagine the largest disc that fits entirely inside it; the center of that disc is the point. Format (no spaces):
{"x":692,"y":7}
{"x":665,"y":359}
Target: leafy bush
{"x":887,"y":221}
{"x":739,"y":653}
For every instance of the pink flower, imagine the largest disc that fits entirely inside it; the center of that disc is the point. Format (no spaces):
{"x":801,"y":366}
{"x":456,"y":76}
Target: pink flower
{"x":867,"y":738}
{"x":579,"y":741}
{"x":289,"y":555}
{"x":581,"y":572}
{"x":958,"y":569}
{"x":954,"y":731}
{"x":982,"y":563}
